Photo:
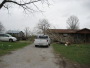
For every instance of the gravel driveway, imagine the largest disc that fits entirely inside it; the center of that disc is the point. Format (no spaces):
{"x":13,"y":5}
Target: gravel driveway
{"x":30,"y":57}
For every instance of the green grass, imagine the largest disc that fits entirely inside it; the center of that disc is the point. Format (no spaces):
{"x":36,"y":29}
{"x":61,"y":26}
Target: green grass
{"x":7,"y":47}
{"x":79,"y":53}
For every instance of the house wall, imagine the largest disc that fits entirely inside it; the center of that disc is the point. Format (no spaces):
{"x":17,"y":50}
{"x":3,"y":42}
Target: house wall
{"x":73,"y":38}
{"x":83,"y":38}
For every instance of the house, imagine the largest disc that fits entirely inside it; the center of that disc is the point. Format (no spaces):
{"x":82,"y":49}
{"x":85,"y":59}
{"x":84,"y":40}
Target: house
{"x":74,"y":36}
{"x":18,"y":34}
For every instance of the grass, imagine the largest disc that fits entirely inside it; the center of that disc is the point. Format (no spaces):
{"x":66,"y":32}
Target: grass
{"x":79,"y":53}
{"x":7,"y":47}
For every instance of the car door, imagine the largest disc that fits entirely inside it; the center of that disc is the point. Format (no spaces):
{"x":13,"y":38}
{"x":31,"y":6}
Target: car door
{"x":1,"y":37}
{"x":4,"y":37}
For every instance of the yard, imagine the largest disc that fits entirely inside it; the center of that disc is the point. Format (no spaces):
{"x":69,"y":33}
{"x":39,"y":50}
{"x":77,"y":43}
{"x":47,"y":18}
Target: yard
{"x":78,"y":53}
{"x":6,"y":47}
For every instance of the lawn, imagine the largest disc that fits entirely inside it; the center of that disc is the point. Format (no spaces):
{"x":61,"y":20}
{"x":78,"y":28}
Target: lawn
{"x":79,"y":53}
{"x":7,"y":47}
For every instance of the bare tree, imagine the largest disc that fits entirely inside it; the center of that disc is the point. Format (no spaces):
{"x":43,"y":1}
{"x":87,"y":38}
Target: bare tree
{"x":1,"y":27}
{"x":27,"y":32}
{"x":43,"y":25}
{"x":73,"y":22}
{"x":25,"y":4}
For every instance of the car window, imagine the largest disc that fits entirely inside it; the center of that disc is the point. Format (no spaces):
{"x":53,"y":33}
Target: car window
{"x":1,"y":35}
{"x":6,"y":35}
{"x":43,"y":37}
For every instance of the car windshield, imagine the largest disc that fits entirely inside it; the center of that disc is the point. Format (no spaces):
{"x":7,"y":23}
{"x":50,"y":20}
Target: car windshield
{"x":43,"y":37}
{"x":9,"y":35}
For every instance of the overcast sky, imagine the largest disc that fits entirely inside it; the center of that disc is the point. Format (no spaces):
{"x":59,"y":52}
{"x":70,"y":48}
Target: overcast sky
{"x":57,"y":14}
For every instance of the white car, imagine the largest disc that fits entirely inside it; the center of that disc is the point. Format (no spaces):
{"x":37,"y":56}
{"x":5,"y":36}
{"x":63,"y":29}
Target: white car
{"x":42,"y":40}
{"x":7,"y":37}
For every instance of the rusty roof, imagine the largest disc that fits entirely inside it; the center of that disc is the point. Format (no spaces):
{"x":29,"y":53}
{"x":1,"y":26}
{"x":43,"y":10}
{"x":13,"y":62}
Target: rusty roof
{"x":67,"y":30}
{"x":63,"y":30}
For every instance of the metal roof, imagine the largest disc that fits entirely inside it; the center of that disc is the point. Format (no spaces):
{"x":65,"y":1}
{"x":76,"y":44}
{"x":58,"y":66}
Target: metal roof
{"x":13,"y":31}
{"x":70,"y":30}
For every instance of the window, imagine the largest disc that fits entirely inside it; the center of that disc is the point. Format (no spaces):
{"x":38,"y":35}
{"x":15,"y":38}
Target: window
{"x":1,"y":35}
{"x":6,"y":35}
{"x":65,"y":35}
{"x":42,"y":37}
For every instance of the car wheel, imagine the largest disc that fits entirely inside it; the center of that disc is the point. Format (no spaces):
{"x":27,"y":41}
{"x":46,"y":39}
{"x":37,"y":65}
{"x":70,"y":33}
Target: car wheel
{"x":10,"y":40}
{"x":35,"y":45}
{"x":47,"y":46}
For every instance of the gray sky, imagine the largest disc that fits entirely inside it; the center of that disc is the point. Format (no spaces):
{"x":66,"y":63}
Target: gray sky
{"x":57,"y":14}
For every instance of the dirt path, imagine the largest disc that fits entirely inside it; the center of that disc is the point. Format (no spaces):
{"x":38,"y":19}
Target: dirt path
{"x":30,"y":57}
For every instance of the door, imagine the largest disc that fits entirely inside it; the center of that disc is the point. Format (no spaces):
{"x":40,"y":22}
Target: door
{"x":4,"y":37}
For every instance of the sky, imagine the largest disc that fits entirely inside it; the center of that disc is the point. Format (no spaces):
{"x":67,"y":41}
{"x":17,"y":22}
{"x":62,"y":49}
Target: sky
{"x":56,"y":13}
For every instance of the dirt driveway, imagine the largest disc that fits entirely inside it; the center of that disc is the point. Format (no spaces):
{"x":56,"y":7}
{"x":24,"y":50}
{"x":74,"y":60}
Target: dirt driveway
{"x":30,"y":57}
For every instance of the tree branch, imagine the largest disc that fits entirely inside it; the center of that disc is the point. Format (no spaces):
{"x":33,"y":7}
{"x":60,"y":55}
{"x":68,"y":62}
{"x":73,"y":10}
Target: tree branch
{"x":2,"y":4}
{"x":20,"y":4}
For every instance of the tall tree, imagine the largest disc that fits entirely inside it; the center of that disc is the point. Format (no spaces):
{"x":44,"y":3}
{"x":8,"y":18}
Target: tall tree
{"x":1,"y":27}
{"x":73,"y":22}
{"x":43,"y":25}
